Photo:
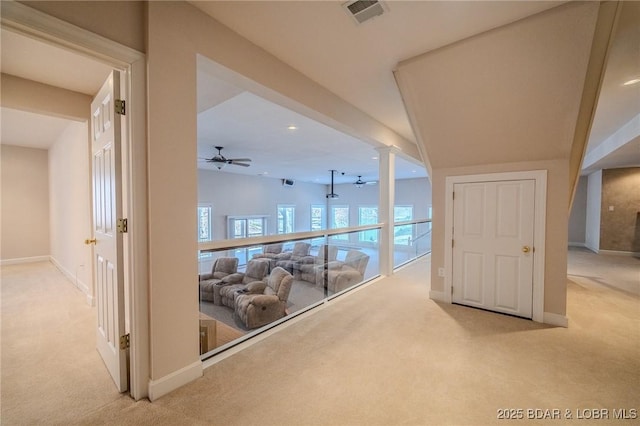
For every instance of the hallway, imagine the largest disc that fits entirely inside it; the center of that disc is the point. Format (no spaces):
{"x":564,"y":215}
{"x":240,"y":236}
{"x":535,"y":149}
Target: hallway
{"x":384,"y":355}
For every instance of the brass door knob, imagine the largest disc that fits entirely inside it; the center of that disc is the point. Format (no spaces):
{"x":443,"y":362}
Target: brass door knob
{"x":91,"y":241}
{"x":526,"y":249}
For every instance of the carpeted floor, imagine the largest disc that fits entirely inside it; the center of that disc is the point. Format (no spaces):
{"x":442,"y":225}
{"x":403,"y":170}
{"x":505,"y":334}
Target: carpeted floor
{"x":383,"y":355}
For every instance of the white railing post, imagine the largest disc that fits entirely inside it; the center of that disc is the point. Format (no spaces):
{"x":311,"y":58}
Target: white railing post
{"x":385,"y":210}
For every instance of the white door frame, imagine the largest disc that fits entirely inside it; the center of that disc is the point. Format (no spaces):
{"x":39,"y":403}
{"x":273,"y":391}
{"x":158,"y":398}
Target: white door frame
{"x":540,"y":209}
{"x":132,"y":64}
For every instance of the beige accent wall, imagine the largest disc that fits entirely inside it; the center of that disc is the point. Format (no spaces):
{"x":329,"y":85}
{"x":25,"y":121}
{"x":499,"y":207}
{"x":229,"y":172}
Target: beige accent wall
{"x":620,"y":213}
{"x":121,"y":21}
{"x":24,"y":202}
{"x":70,"y":205}
{"x":505,"y":100}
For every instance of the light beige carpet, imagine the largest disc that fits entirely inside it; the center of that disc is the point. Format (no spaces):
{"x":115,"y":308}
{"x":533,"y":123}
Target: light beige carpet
{"x":384,"y":355}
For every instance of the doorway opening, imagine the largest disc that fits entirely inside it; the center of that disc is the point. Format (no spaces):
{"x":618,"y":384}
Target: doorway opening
{"x":486,"y":235}
{"x":25,"y":21}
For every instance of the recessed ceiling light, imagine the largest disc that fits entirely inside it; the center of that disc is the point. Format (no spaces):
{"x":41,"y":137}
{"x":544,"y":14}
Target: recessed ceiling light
{"x":374,"y":158}
{"x":292,"y":127}
{"x":630,"y":82}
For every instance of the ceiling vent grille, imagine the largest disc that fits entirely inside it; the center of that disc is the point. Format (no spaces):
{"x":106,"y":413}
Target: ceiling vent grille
{"x":363,"y":10}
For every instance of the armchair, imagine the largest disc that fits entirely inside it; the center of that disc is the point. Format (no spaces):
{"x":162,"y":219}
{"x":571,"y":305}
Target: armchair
{"x":310,"y":268}
{"x":266,"y":302}
{"x":222,"y":267}
{"x":288,"y":260}
{"x":256,"y":271}
{"x":269,"y":251}
{"x":344,"y":274}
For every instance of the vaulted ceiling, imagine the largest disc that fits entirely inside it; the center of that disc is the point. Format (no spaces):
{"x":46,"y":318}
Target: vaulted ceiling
{"x":354,"y":61}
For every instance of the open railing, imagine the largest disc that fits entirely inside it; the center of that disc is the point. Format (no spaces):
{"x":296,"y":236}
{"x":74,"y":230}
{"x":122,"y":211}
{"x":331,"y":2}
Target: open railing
{"x":412,"y":240}
{"x":324,"y":264}
{"x":225,"y":319}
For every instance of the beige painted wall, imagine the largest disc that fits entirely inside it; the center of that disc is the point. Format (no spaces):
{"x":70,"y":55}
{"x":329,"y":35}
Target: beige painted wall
{"x":177,"y":32}
{"x":121,"y":21}
{"x":25,"y":202}
{"x":620,"y":227}
{"x":70,"y":205}
{"x":505,"y":100}
{"x":578,"y":216}
{"x":594,"y":203}
{"x":31,"y":96}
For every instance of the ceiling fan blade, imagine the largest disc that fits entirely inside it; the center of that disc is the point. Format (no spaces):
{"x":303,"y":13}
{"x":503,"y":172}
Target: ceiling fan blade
{"x":372,"y":182}
{"x":235,"y":163}
{"x":239,"y":159}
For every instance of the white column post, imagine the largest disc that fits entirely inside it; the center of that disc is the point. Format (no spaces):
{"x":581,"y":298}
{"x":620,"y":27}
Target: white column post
{"x":385,"y":207}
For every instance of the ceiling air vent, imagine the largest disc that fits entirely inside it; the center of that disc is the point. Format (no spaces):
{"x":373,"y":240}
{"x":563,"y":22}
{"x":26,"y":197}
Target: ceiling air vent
{"x":363,"y":10}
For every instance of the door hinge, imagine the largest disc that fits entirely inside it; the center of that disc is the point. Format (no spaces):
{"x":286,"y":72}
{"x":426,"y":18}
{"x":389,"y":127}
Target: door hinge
{"x":121,"y":226}
{"x":121,"y":107}
{"x":124,"y":342}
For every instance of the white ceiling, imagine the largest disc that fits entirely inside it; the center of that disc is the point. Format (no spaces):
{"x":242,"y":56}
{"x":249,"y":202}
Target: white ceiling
{"x":316,"y":37}
{"x":355,"y":62}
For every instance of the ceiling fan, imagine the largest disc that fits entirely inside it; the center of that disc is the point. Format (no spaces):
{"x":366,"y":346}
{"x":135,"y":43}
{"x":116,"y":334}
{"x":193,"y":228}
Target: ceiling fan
{"x":360,"y":183}
{"x":220,"y":161}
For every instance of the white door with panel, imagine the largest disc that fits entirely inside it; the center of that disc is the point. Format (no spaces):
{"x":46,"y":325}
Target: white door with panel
{"x":493,"y":246}
{"x":107,"y":255}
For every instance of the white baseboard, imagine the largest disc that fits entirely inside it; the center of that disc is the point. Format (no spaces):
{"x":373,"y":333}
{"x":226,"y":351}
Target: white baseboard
{"x":582,"y":245}
{"x":438,"y":296}
{"x":620,"y":253}
{"x":20,"y":260}
{"x":73,"y":279}
{"x":173,"y":381}
{"x":555,"y":319}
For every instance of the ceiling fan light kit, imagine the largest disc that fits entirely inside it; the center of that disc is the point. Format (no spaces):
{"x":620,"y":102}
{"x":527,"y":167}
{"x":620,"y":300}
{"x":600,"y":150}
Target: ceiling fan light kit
{"x":219,"y":160}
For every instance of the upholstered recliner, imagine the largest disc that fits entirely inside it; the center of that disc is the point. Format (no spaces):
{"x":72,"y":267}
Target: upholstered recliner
{"x":310,"y":268}
{"x":257,"y":270}
{"x":344,"y":274}
{"x":263,"y":303}
{"x":289,"y":259}
{"x":269,"y":251}
{"x":222,"y":267}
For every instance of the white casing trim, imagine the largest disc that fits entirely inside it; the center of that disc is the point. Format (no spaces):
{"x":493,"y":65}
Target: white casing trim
{"x":556,"y":319}
{"x":33,"y":23}
{"x":170,"y":382}
{"x":540,"y":215}
{"x":19,"y":260}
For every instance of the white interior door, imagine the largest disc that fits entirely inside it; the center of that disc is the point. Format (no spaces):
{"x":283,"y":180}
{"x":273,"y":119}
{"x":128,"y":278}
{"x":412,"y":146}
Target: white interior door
{"x":107,"y":256}
{"x":493,"y":245}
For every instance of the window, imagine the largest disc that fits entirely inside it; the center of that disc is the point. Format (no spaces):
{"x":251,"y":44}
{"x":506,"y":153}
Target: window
{"x":318,"y":221}
{"x":204,"y":223}
{"x":402,"y":234}
{"x":286,"y":219}
{"x":368,"y":216}
{"x":246,"y":227}
{"x":340,"y":219}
